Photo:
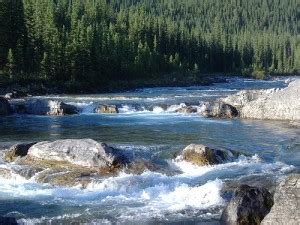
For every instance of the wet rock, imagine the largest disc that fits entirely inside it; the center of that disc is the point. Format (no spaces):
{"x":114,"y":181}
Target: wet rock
{"x":286,"y":203}
{"x":202,"y":155}
{"x":248,"y":206}
{"x":5,"y":173}
{"x":187,"y":109}
{"x":18,"y":150}
{"x":26,"y":171}
{"x":57,"y":108}
{"x":8,"y":221}
{"x":219,"y":109}
{"x":107,"y":109}
{"x":5,"y":108}
{"x":64,"y":178}
{"x":140,"y":165}
{"x":76,"y":153}
{"x":45,"y":107}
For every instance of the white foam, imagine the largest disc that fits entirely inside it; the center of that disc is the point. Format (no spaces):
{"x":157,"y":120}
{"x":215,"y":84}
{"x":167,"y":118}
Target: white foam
{"x":158,"y":109}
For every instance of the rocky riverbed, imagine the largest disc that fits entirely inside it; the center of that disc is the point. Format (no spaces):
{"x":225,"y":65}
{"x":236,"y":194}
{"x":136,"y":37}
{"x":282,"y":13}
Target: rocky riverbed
{"x":148,"y":157}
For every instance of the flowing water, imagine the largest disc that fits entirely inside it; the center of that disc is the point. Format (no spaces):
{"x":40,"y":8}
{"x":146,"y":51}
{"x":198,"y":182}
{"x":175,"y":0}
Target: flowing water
{"x":148,"y":127}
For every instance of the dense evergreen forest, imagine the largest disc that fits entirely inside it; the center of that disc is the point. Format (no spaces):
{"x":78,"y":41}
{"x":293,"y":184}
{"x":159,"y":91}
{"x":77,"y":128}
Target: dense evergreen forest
{"x":101,"y":41}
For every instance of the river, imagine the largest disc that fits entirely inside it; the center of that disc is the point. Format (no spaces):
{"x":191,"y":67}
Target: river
{"x":148,"y":128}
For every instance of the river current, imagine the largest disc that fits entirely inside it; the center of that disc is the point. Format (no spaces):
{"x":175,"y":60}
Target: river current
{"x":148,"y":128}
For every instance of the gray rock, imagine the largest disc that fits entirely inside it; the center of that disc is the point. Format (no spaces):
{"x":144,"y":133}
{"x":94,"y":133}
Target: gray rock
{"x":202,"y":155}
{"x":219,"y":109}
{"x":5,"y":108}
{"x":286,"y":208}
{"x":45,"y":107}
{"x":78,"y":152}
{"x":18,"y":150}
{"x":107,"y":109}
{"x":57,"y":108}
{"x":248,"y":206}
{"x":272,"y":104}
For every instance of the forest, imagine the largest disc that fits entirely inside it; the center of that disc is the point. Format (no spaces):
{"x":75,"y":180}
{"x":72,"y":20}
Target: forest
{"x":103,"y":41}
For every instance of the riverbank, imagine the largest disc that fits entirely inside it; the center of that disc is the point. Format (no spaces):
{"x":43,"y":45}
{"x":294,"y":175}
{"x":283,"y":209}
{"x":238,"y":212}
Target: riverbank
{"x":166,"y":80}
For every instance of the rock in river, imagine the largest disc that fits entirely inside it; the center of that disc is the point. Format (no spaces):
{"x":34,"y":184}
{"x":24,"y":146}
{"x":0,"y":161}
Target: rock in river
{"x":5,"y":108}
{"x":187,"y":109}
{"x":45,"y":107}
{"x":219,"y":109}
{"x":272,"y":104}
{"x":202,"y":155}
{"x":286,"y":208}
{"x":77,"y":152}
{"x":248,"y":206}
{"x":58,"y":108}
{"x":107,"y":109}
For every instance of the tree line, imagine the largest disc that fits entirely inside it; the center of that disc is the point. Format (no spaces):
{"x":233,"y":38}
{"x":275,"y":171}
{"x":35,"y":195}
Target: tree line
{"x":107,"y":40}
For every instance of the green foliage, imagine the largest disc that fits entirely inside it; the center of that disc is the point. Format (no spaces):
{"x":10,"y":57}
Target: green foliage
{"x":99,"y":41}
{"x":258,"y":74}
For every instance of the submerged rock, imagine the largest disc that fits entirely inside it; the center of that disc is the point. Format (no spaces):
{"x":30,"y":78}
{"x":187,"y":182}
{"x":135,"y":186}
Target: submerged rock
{"x":5,"y":108}
{"x":18,"y":150}
{"x":248,"y":206}
{"x":202,"y":155}
{"x":107,"y":109}
{"x":286,"y":203}
{"x":76,"y":152}
{"x":219,"y":109}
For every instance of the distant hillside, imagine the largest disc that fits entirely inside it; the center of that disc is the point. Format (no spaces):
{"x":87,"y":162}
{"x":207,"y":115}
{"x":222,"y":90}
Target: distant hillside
{"x":98,"y":41}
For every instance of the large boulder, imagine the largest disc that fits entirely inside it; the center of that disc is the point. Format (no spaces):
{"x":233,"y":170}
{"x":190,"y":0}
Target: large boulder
{"x":286,"y":203}
{"x":18,"y":150}
{"x":271,"y":104}
{"x":248,"y":206}
{"x":57,"y":108}
{"x":219,"y":109}
{"x":5,"y":108}
{"x":202,"y":155}
{"x":76,"y":153}
{"x":111,"y":109}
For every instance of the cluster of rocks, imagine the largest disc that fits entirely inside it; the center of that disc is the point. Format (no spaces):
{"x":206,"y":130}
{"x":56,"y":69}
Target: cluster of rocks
{"x":72,"y":162}
{"x":272,"y":104}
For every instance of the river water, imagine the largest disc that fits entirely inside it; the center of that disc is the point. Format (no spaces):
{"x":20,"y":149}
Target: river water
{"x":148,"y":127}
